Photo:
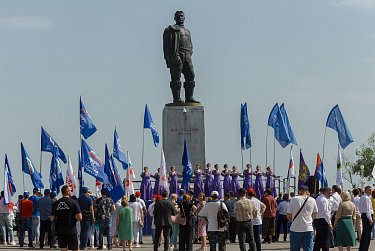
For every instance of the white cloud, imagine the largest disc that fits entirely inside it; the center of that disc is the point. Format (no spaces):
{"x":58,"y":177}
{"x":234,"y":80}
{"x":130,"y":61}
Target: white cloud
{"x":361,"y":4}
{"x":28,"y":23}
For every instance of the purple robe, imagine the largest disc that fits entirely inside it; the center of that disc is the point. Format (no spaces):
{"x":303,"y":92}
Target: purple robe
{"x":208,"y":183}
{"x":198,"y":183}
{"x":146,"y":188}
{"x":226,"y":182}
{"x":270,"y":183}
{"x":173,"y":183}
{"x":157,"y":189}
{"x":247,"y":182}
{"x":235,"y":186}
{"x":258,"y":186}
{"x":216,"y":183}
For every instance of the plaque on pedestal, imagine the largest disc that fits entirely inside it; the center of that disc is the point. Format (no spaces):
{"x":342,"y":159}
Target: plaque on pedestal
{"x":181,"y":123}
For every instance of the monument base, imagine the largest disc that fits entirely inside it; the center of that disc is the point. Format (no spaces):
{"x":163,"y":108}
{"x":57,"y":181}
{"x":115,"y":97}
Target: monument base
{"x":183,"y":122}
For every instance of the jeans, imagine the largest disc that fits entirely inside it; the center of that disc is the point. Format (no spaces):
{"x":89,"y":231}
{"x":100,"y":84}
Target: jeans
{"x":232,"y":229}
{"x":104,"y":229}
{"x":175,"y":231}
{"x":36,"y":227}
{"x":281,"y":220}
{"x":6,"y":224}
{"x":217,"y":236}
{"x":258,"y":242}
{"x":166,"y":231}
{"x":245,"y":232}
{"x":86,"y":228}
{"x":301,"y":238}
{"x":45,"y":227}
{"x":26,"y":224}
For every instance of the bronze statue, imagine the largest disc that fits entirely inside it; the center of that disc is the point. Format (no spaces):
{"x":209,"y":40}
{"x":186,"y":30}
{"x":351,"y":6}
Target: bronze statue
{"x":178,"y":48}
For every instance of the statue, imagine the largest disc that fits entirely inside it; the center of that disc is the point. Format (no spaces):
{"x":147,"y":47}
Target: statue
{"x":178,"y":48}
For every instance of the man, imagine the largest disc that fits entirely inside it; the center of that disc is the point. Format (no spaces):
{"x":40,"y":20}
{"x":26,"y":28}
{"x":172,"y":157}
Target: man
{"x":302,"y":211}
{"x":87,"y":209}
{"x":65,"y":214}
{"x":358,"y":220}
{"x":282,"y":208}
{"x":36,"y":215}
{"x":45,"y":207}
{"x":257,"y":221}
{"x":231,"y":234}
{"x":6,"y":220}
{"x":269,"y":216}
{"x":26,"y":210}
{"x":323,"y":220}
{"x":178,"y":48}
{"x":335,"y":200}
{"x":144,"y":208}
{"x":365,"y":207}
{"x":104,"y":207}
{"x":245,"y":211}
{"x":210,"y":211}
{"x":163,"y":210}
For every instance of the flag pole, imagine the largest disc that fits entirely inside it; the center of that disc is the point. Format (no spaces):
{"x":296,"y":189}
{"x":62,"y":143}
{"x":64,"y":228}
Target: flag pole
{"x":143,"y":146}
{"x":267,"y":146}
{"x":274,"y":155}
{"x":242,"y":158}
{"x":40,"y":162}
{"x":250,"y":156}
{"x":23,"y":180}
{"x":324,"y":141}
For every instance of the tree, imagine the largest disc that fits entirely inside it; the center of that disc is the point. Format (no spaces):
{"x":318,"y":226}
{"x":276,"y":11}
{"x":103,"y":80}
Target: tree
{"x":366,"y":158}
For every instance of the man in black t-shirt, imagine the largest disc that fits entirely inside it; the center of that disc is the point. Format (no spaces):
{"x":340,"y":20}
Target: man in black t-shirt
{"x":65,"y":214}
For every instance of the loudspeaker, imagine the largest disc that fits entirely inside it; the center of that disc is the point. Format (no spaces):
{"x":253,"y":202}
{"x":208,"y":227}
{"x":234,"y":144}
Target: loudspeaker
{"x":313,"y":185}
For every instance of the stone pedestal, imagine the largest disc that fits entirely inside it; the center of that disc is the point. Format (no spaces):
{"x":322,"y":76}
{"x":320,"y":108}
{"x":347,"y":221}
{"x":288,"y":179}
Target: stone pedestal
{"x":183,"y":123}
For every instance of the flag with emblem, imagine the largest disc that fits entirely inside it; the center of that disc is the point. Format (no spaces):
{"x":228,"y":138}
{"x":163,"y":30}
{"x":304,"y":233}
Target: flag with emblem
{"x":304,"y":172}
{"x":28,"y":168}
{"x":9,"y":187}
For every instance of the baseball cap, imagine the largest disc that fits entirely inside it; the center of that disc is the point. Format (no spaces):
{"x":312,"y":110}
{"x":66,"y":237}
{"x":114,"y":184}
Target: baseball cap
{"x":85,"y":190}
{"x":181,"y":191}
{"x":35,"y":190}
{"x":26,"y":194}
{"x":250,"y":191}
{"x":303,"y":188}
{"x":138,"y":193}
{"x":215,"y":193}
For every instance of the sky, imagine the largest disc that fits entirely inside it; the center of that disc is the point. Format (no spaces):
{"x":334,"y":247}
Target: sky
{"x":310,"y":55}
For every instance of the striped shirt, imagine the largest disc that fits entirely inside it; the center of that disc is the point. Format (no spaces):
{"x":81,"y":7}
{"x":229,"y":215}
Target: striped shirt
{"x":245,"y":209}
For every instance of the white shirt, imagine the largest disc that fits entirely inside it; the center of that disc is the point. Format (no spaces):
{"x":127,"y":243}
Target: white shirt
{"x":283,"y":207}
{"x":210,"y":211}
{"x":4,"y":208}
{"x":365,"y":206}
{"x":258,"y":204}
{"x":136,"y":206}
{"x":324,"y":211}
{"x":143,"y":204}
{"x":151,"y":213}
{"x":304,"y":221}
{"x":335,"y":200}
{"x":355,"y":200}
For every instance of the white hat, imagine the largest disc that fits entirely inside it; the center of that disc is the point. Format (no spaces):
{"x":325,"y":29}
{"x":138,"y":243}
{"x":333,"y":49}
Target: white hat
{"x":215,"y":193}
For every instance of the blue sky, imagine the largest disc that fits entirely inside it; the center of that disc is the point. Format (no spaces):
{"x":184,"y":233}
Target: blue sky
{"x":309,"y":54}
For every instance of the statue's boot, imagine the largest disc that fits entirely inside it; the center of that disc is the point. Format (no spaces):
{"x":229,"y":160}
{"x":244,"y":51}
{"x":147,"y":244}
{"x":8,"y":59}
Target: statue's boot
{"x":176,"y":92}
{"x":189,"y":92}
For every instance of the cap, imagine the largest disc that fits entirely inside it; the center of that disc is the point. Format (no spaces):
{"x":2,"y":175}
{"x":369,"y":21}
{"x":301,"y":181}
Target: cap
{"x":35,"y":190}
{"x":181,"y":191}
{"x":47,"y":192}
{"x":250,"y":191}
{"x":138,"y":193}
{"x":303,"y":188}
{"x":85,"y":190}
{"x":26,"y":194}
{"x":215,"y":193}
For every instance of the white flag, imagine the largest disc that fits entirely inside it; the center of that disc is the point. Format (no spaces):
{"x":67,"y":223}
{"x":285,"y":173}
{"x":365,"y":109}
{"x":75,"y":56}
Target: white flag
{"x":339,"y":181}
{"x":373,"y":172}
{"x":163,"y":172}
{"x":70,"y":178}
{"x":130,"y":176}
{"x":98,"y":188}
{"x":291,"y":172}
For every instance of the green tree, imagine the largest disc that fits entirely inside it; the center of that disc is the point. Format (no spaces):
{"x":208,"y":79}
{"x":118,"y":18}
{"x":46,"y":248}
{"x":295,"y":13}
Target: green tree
{"x":366,"y":158}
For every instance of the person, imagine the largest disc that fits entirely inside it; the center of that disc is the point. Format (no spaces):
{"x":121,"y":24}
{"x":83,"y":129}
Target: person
{"x":344,"y":223}
{"x":257,"y":221}
{"x":269,"y":216}
{"x":358,"y":221}
{"x":163,"y":210}
{"x":210,"y":211}
{"x":258,"y":184}
{"x":302,"y":211}
{"x":373,"y":206}
{"x":146,"y":187}
{"x":26,"y":209}
{"x":137,"y":218}
{"x":124,"y":225}
{"x":232,"y":230}
{"x":173,"y":182}
{"x":335,"y":200}
{"x":113,"y":229}
{"x":245,"y":211}
{"x":235,"y":186}
{"x":270,"y":182}
{"x":216,"y":182}
{"x":226,"y":182}
{"x":65,"y":214}
{"x":6,"y":220}
{"x":151,"y":213}
{"x":247,"y":175}
{"x":86,"y":205}
{"x":104,"y":208}
{"x":144,"y":209}
{"x":282,"y":209}
{"x":323,"y":220}
{"x":178,"y":48}
{"x":198,"y":181}
{"x":365,"y":207}
{"x":186,"y":231}
{"x":36,"y":215}
{"x":208,"y":181}
{"x":45,"y":207}
{"x":202,"y":223}
{"x":175,"y":226}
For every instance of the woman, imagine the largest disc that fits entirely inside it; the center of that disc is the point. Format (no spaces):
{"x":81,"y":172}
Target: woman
{"x":202,"y":223}
{"x":226,"y":182}
{"x":259,"y":190}
{"x":235,"y":186}
{"x":114,"y":217}
{"x":173,"y":182}
{"x":156,"y":176}
{"x":146,"y":188}
{"x":247,"y":174}
{"x":198,"y":182}
{"x":137,"y":218}
{"x":208,"y":180}
{"x":125,"y":225}
{"x":175,"y":226}
{"x":186,"y":231}
{"x":216,"y":183}
{"x":270,"y":183}
{"x":344,"y":223}
{"x":373,"y":206}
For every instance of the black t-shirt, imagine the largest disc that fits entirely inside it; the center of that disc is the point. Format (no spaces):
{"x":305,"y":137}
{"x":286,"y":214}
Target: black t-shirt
{"x":65,"y":210}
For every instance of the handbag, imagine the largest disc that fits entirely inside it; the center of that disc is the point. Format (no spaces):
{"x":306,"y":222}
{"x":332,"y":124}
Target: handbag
{"x":140,"y":222}
{"x":179,"y":218}
{"x":222,"y":216}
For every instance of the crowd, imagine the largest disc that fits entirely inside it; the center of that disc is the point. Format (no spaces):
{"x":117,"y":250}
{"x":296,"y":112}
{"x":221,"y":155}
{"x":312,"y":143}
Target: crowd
{"x":313,"y":222}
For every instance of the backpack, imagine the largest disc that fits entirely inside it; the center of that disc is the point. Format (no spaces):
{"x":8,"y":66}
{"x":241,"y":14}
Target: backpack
{"x":222,"y":217}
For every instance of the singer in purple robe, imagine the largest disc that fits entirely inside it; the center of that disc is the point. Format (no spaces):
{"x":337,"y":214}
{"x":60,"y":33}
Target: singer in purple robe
{"x":270,"y":183}
{"x":173,"y":180}
{"x":258,"y":185}
{"x":226,"y":182}
{"x":208,"y":180}
{"x":198,"y":182}
{"x":146,"y":188}
{"x":247,"y":175}
{"x":216,"y":183}
{"x":235,"y":186}
{"x":157,"y":189}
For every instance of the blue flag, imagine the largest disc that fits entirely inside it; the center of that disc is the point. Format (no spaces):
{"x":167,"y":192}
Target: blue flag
{"x":9,"y":187}
{"x":80,"y":176}
{"x":28,"y":168}
{"x":87,"y":126}
{"x":148,"y":123}
{"x":48,"y":145}
{"x":276,"y":121}
{"x":114,"y":186}
{"x":118,"y":152}
{"x":320,"y":173}
{"x":245,"y":128}
{"x":56,"y":179}
{"x":187,"y":168}
{"x":284,"y":115}
{"x":91,"y":163}
{"x":336,"y":121}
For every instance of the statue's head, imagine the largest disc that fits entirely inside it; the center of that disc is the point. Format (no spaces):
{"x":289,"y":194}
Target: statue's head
{"x":179,"y":17}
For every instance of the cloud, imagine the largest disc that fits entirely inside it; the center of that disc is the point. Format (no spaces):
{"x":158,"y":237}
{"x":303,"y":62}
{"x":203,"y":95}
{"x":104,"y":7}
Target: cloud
{"x":27,"y":23}
{"x":364,"y":5}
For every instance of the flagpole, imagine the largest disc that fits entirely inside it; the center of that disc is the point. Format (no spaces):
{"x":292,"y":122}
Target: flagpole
{"x":267,"y":147}
{"x":23,"y":180}
{"x":143,"y":146}
{"x":250,"y":156}
{"x":324,"y":142}
{"x":40,"y":163}
{"x":242,"y":158}
{"x":274,"y":155}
